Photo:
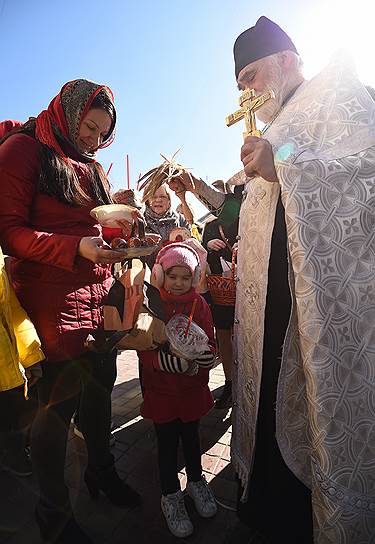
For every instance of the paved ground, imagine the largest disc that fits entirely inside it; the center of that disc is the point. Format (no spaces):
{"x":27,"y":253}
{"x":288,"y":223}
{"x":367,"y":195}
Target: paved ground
{"x":135,"y":453}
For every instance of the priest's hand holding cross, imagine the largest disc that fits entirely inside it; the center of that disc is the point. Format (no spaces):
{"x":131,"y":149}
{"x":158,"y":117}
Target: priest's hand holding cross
{"x":256,"y":153}
{"x":257,"y":158}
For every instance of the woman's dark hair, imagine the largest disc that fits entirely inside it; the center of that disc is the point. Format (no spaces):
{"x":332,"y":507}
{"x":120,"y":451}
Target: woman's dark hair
{"x":58,"y":178}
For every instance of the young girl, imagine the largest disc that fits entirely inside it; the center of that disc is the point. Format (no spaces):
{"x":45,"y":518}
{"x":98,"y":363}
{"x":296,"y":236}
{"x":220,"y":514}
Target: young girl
{"x":176,"y":393}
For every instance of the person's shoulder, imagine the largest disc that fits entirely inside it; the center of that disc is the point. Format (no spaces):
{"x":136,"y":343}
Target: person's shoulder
{"x":212,"y":223}
{"x":20,"y":141}
{"x":16,"y":147}
{"x":8,"y":125}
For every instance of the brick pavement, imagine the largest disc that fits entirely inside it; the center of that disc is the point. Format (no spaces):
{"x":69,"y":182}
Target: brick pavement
{"x":136,"y":460}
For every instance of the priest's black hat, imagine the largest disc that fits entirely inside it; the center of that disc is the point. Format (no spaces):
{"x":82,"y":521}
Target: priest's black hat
{"x":259,"y":41}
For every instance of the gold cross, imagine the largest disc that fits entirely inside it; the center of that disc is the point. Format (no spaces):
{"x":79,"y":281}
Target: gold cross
{"x":249,"y":105}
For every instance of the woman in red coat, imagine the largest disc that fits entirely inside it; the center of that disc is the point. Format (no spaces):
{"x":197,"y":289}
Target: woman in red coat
{"x":61,"y":271}
{"x":176,"y":393}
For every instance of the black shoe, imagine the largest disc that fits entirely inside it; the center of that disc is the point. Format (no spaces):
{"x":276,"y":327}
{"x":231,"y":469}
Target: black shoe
{"x":225,"y":399}
{"x":63,"y":531}
{"x":110,"y":484}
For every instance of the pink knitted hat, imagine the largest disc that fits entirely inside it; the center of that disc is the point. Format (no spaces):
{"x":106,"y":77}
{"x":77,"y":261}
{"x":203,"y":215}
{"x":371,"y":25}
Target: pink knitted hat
{"x":178,"y":254}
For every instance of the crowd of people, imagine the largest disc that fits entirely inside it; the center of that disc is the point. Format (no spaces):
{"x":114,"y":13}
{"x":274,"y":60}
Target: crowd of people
{"x":296,"y":341}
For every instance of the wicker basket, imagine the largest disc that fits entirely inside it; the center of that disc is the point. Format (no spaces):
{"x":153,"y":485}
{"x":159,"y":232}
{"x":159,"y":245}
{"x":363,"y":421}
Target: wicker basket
{"x":223,"y":289}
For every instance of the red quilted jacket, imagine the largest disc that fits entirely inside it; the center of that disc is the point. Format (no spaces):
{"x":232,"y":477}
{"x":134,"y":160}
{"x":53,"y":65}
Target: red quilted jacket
{"x":61,"y":292}
{"x":169,"y":396}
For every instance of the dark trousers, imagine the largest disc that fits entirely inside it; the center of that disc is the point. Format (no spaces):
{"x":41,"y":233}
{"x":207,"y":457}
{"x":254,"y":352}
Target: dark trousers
{"x":93,"y":377}
{"x":16,"y":414}
{"x":168,"y":437}
{"x":13,"y":409}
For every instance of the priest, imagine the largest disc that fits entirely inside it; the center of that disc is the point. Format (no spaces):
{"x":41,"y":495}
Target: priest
{"x":303,"y":441}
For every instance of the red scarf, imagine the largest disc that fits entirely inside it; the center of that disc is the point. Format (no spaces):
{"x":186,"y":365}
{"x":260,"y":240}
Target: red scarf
{"x":55,"y":119}
{"x":182,"y":304}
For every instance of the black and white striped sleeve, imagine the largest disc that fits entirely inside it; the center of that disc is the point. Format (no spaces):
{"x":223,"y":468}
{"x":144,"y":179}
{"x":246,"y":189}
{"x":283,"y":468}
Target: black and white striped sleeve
{"x":171,"y":363}
{"x":206,"y":360}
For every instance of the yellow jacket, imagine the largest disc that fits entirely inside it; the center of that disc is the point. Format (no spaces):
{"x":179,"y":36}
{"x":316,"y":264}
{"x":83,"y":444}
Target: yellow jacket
{"x":19,"y":342}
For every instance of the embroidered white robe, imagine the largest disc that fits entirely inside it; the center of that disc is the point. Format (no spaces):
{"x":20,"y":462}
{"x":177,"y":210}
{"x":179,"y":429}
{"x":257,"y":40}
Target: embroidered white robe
{"x":324,"y":151}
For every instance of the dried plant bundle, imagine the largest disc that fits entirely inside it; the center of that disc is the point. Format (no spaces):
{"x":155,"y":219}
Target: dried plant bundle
{"x":156,"y":177}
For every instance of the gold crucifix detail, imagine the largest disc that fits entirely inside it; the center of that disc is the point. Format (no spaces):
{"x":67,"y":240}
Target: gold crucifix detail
{"x":249,"y":104}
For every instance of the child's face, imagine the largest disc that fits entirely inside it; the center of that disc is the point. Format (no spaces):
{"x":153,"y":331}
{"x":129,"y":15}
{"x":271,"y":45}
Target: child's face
{"x":178,"y":280}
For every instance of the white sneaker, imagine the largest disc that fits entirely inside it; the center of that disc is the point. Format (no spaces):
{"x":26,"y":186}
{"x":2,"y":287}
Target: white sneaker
{"x":204,"y":500}
{"x":178,"y":521}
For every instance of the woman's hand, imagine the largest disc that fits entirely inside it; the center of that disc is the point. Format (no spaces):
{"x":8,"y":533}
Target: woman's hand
{"x":96,"y":250}
{"x":216,"y":244}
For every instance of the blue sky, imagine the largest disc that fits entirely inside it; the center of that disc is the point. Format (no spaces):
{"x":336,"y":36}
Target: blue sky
{"x":169,"y":64}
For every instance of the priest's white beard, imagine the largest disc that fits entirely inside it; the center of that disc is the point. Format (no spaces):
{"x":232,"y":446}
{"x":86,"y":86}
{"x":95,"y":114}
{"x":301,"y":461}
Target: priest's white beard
{"x":278,"y":83}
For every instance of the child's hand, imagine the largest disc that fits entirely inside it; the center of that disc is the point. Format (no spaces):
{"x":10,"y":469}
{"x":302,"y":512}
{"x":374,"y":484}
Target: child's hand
{"x":192,"y":369}
{"x":206,"y":360}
